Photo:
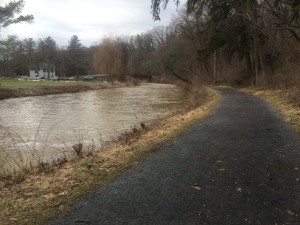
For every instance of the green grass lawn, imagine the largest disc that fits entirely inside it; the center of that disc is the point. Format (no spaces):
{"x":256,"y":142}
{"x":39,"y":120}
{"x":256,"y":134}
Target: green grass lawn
{"x":10,"y":83}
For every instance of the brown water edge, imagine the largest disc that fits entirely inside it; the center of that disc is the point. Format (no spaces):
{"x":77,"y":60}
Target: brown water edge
{"x":13,"y":92}
{"x":25,"y":156}
{"x":33,"y":133}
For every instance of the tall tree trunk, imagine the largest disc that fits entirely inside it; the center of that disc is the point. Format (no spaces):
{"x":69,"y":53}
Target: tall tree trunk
{"x":262,"y":66}
{"x":255,"y":60}
{"x":249,"y":63}
{"x":215,"y":67}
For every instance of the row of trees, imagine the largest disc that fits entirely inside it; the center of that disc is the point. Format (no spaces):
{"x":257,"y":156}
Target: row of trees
{"x":238,"y":41}
{"x":162,"y":51}
{"x":18,"y":56}
{"x":117,"y":56}
{"x":254,"y":41}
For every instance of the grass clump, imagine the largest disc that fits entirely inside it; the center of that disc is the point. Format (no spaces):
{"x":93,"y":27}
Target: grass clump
{"x":196,"y":96}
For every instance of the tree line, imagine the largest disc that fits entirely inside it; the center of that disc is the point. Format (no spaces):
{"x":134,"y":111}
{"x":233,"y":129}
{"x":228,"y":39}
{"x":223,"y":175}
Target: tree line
{"x":242,"y":41}
{"x":155,"y":52}
{"x":252,"y":42}
{"x":19,"y":56}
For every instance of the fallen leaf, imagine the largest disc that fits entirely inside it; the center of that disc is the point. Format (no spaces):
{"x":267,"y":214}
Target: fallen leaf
{"x":48,"y":196}
{"x":62,"y":193}
{"x":197,"y":187}
{"x":296,"y":168}
{"x":29,"y":194}
{"x":289,"y":212}
{"x":13,"y":219}
{"x":2,"y":184}
{"x":239,"y":189}
{"x":34,"y":177}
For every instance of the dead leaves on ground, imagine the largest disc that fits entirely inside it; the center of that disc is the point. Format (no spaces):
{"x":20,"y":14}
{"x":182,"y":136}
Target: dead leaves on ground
{"x":290,"y":212}
{"x":48,"y":196}
{"x":239,"y":189}
{"x":12,"y":219}
{"x":197,"y":187}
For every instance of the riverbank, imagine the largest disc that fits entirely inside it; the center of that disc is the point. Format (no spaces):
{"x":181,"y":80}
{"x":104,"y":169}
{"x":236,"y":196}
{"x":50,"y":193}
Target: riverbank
{"x":286,"y":101}
{"x":53,"y":189}
{"x":15,"y":88}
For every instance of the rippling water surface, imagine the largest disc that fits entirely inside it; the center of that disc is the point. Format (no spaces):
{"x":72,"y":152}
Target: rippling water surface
{"x":53,"y":123}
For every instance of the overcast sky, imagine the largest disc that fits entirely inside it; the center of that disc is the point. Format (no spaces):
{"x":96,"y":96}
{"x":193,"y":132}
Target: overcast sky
{"x":91,"y":20}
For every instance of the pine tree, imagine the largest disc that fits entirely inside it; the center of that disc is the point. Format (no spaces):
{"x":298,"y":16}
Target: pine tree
{"x":10,"y":10}
{"x":75,"y":56}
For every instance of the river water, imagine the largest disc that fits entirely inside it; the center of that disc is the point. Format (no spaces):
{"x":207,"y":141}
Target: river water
{"x":50,"y":125}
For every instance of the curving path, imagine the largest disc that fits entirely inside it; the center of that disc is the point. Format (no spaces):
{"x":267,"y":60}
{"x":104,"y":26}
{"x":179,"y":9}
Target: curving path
{"x":241,"y":165}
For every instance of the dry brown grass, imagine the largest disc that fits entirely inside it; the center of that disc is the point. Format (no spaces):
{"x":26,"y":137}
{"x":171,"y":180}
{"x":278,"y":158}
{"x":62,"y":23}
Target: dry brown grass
{"x":195,"y":96}
{"x":287,"y":101}
{"x":42,"y":196}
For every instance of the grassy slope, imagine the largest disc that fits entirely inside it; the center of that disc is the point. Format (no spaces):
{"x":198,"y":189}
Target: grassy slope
{"x":44,"y":195}
{"x":24,"y":83}
{"x":21,"y":88}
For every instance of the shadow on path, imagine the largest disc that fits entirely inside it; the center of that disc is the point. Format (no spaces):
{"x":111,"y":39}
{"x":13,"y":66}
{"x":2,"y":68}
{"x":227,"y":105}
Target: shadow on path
{"x":241,"y":165}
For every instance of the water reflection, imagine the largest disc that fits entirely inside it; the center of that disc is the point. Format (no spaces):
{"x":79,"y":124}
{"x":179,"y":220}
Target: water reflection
{"x":55,"y":122}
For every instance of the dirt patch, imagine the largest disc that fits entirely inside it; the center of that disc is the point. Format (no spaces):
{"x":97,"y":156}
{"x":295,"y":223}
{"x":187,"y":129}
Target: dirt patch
{"x":42,"y":196}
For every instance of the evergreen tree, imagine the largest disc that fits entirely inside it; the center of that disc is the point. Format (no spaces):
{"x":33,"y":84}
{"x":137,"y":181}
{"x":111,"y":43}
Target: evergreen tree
{"x":47,"y":51}
{"x":75,"y":56}
{"x":9,"y":11}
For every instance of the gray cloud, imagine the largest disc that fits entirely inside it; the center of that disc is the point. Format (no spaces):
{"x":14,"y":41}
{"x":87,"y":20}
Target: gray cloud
{"x":89,"y":19}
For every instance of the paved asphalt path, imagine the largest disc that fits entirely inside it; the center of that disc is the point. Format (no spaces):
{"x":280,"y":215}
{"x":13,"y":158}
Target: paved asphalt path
{"x":241,"y":165}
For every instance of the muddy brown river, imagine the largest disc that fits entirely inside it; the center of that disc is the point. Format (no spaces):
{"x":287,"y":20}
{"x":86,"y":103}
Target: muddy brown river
{"x":50,"y":125}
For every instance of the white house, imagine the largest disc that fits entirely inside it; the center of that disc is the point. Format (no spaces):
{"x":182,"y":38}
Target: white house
{"x":48,"y":74}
